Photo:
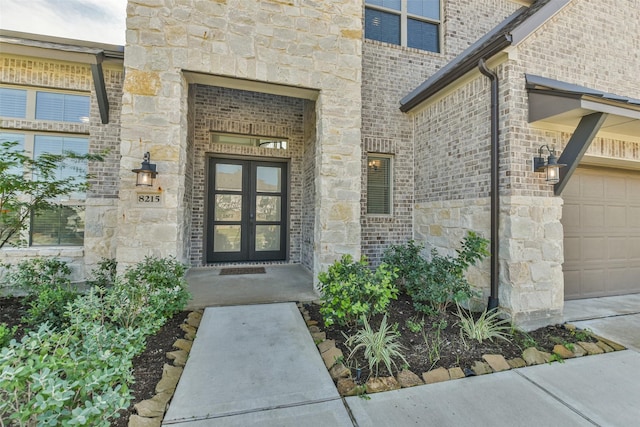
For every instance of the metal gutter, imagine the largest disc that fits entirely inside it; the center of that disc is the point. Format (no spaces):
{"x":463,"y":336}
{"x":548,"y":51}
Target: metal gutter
{"x":468,"y":64}
{"x":83,"y":52}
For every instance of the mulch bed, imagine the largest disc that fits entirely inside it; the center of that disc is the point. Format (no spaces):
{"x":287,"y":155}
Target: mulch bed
{"x":424,"y":351}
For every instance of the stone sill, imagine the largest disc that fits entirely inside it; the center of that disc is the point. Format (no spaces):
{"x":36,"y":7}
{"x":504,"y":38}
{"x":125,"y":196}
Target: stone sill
{"x":43,"y":251}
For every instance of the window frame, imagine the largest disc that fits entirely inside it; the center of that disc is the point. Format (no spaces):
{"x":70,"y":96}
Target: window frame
{"x":404,"y":17}
{"x":385,"y":157}
{"x":28,"y":138}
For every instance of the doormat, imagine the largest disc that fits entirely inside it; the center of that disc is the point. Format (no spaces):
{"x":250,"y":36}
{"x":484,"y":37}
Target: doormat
{"x":242,"y":270}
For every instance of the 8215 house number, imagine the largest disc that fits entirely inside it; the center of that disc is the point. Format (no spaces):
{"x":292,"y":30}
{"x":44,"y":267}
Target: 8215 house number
{"x":149,"y":199}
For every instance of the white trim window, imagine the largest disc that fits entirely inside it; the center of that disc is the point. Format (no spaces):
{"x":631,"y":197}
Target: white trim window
{"x":379,"y":185}
{"x":411,"y":23}
{"x":64,"y":224}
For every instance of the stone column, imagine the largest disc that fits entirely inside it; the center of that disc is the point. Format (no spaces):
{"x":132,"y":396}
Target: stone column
{"x":154,"y":115}
{"x":337,"y":176}
{"x":531,"y":278}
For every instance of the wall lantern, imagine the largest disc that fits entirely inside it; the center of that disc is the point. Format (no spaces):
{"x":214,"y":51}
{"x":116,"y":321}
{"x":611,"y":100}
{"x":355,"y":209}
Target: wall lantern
{"x":550,"y":166}
{"x":146,"y":173}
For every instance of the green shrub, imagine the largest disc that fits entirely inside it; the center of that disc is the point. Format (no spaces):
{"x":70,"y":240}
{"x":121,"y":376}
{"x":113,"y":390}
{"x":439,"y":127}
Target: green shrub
{"x":104,"y":274}
{"x":49,"y":305}
{"x":31,"y":275}
{"x":152,"y":289}
{"x":407,"y":259}
{"x":79,"y":375}
{"x":351,"y":290}
{"x":6,"y":334}
{"x":47,"y":283}
{"x":379,"y":346}
{"x":60,"y":378}
{"x":487,"y":327}
{"x":149,"y":292}
{"x":435,"y":284}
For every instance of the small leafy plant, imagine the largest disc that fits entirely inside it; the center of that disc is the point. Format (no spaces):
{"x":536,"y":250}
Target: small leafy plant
{"x":6,"y":334}
{"x":487,"y":327}
{"x":47,"y":283}
{"x":415,"y":325}
{"x":434,"y":344}
{"x":582,"y":334}
{"x":379,"y":346}
{"x":350,"y":290}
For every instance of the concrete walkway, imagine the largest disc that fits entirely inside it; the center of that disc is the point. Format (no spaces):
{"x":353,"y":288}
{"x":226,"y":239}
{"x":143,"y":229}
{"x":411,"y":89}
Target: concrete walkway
{"x":280,"y":283}
{"x":257,"y":365}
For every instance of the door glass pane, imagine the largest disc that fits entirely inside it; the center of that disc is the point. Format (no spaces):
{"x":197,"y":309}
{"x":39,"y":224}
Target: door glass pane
{"x":226,"y":238}
{"x":228,"y":207}
{"x":267,"y":237}
{"x":268,"y":208}
{"x":268,"y":179}
{"x":228,"y":177}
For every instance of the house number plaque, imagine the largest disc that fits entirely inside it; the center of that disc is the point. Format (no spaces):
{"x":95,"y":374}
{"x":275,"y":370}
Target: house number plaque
{"x":149,"y":199}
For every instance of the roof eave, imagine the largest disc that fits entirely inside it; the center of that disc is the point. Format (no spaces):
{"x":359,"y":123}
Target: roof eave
{"x":470,"y":63}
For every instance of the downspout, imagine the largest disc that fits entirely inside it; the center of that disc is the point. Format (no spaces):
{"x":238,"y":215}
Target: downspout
{"x":493,"y":302}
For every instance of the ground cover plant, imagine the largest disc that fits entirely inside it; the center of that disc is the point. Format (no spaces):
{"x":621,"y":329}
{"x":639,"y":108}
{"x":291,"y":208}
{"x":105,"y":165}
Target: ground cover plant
{"x":426,"y":325}
{"x":79,"y":371}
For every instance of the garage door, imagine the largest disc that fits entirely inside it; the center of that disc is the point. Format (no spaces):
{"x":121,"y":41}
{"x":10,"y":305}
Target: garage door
{"x":601,"y":220}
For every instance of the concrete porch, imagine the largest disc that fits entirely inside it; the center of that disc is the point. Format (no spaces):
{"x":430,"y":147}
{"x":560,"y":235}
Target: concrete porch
{"x":280,"y":283}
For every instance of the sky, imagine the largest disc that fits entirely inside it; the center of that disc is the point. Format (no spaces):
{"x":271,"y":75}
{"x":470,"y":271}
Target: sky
{"x":94,"y":20}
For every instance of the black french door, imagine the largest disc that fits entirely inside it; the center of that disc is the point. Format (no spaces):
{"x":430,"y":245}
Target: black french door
{"x":247,"y":215}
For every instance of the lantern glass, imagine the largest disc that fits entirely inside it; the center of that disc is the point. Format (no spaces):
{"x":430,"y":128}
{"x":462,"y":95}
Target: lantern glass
{"x":145,"y":178}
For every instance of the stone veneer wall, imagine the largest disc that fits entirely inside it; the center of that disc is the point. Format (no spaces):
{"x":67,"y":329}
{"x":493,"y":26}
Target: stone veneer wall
{"x":306,"y":45}
{"x":389,"y":73}
{"x":251,"y":113}
{"x":100,"y":207}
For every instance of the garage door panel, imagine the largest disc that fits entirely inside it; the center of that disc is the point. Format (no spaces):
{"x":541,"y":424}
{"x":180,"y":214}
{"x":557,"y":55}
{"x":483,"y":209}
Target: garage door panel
{"x":572,"y":250}
{"x":622,"y":280}
{"x":618,"y":249}
{"x":615,"y":189}
{"x":616,"y":216}
{"x":593,"y":248}
{"x":634,"y":249}
{"x":592,"y":186}
{"x":592,"y":283}
{"x":571,"y":277}
{"x":592,"y":216}
{"x":571,"y":216}
{"x":601,"y":221}
{"x":634,"y":217}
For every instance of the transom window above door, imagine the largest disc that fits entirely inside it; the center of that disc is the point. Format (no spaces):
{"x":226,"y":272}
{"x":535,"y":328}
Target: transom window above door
{"x":250,"y":140}
{"x":411,"y":23}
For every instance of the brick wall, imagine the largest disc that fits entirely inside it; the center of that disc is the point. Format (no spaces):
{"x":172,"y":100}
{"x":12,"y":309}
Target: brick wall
{"x":249,"y":113}
{"x":389,"y":73}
